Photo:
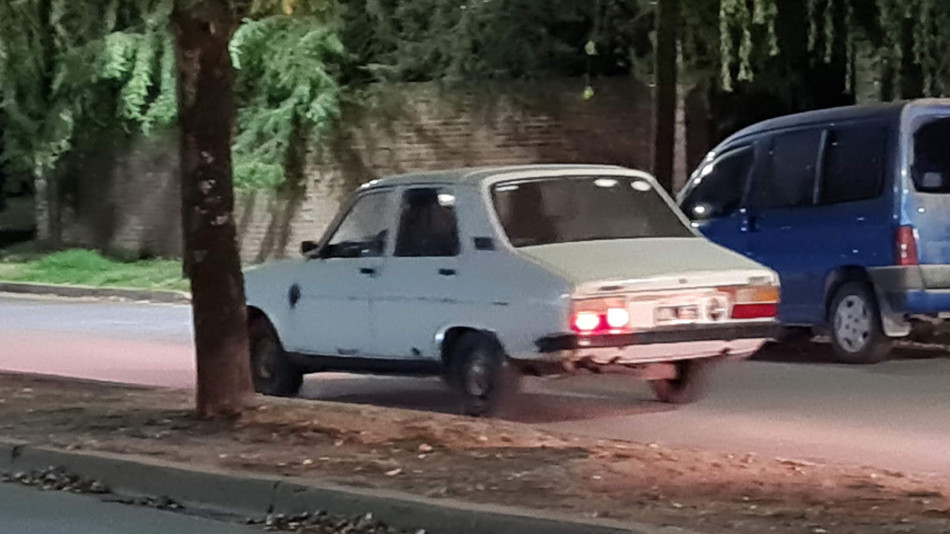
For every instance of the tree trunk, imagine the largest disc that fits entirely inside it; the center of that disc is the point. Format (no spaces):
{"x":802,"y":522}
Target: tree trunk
{"x":49,"y":227}
{"x":206,"y":115}
{"x":664,"y":134}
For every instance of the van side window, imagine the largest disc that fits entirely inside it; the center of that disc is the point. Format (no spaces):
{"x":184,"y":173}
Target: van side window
{"x":931,"y":167}
{"x":790,"y":180}
{"x":854,"y":164}
{"x":720,"y":187}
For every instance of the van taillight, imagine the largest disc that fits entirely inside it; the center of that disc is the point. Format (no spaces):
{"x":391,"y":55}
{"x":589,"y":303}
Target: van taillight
{"x":906,"y":246}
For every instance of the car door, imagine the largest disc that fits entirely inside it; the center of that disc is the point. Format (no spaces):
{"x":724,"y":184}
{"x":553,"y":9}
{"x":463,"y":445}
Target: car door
{"x":332,"y":313}
{"x":418,"y":290}
{"x":785,"y":231}
{"x":714,"y":198}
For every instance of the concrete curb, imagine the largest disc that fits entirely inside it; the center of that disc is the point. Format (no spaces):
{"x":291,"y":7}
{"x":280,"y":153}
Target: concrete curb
{"x":255,"y":495}
{"x":164,"y":297}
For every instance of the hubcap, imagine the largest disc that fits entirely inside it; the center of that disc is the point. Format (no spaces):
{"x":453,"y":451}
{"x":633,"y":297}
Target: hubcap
{"x":264,"y":355}
{"x":852,"y":323}
{"x":478,"y":377}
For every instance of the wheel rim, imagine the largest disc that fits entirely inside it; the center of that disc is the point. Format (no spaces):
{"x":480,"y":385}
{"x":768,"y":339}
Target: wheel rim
{"x":852,"y":323}
{"x":478,"y":375}
{"x":265,"y":354}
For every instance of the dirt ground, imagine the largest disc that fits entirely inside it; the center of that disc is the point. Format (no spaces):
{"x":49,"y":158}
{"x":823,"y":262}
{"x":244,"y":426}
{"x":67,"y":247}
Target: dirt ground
{"x":479,"y":460}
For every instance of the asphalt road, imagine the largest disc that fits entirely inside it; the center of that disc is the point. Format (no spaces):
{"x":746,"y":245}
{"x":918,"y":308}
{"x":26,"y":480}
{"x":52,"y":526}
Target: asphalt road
{"x":894,"y":415}
{"x":31,"y":511}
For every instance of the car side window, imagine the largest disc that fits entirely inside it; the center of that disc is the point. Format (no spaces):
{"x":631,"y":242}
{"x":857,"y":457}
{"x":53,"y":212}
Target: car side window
{"x":427,"y":226}
{"x":363,"y":231}
{"x":720,"y":186}
{"x":789,"y":180}
{"x":854,"y":164}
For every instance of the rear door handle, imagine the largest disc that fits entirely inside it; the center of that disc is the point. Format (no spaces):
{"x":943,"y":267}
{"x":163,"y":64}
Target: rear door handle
{"x":447,"y":272}
{"x":369,"y":271}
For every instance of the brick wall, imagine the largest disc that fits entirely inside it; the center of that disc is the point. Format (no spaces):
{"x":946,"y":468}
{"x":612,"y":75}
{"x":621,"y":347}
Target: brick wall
{"x":124,"y":194}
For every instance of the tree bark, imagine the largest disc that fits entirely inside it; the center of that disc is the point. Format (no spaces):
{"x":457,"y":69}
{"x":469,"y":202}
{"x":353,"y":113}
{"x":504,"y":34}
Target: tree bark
{"x":206,"y":116}
{"x":664,"y":133}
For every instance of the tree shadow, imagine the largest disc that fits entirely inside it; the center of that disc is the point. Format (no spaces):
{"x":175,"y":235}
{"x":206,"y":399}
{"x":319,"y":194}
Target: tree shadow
{"x":533,"y":406}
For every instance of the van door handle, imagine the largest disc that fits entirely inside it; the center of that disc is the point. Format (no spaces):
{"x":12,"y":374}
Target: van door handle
{"x":447,"y":272}
{"x":368,"y":271}
{"x":751,"y":223}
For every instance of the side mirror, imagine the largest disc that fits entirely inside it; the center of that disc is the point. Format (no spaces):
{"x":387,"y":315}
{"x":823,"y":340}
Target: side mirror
{"x":307,"y":248}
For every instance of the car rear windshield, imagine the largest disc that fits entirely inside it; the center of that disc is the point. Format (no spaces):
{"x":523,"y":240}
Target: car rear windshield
{"x":931,"y":167}
{"x":583,"y":208}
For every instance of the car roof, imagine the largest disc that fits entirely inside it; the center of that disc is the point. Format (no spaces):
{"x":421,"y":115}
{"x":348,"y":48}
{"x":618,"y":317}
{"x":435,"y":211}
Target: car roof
{"x":477,"y":175}
{"x":889,"y":110}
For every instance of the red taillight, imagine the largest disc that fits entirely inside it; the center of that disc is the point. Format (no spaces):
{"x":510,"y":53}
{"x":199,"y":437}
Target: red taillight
{"x":754,"y":311}
{"x":905,"y":246}
{"x":600,"y":316}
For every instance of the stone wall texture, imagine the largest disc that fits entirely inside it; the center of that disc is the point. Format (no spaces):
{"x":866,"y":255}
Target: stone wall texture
{"x":122,"y":194}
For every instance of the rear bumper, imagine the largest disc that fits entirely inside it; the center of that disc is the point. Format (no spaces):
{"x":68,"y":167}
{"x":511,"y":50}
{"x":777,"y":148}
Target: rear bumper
{"x":667,"y":336}
{"x":915,"y":290}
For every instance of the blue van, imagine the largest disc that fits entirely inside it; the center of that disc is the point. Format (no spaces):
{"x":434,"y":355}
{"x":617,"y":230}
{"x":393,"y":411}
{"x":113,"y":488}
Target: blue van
{"x":851,"y":206}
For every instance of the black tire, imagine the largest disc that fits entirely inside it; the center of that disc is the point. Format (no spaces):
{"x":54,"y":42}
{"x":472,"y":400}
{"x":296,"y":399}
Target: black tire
{"x":690,"y":384}
{"x":273,"y":372}
{"x":479,"y":370}
{"x":854,"y":321}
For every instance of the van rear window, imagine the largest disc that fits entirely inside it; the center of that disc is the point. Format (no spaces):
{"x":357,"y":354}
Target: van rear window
{"x":931,"y":166}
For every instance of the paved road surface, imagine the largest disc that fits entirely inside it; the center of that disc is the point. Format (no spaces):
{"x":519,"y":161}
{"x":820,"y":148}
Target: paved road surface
{"x":894,"y":415}
{"x":30,"y":511}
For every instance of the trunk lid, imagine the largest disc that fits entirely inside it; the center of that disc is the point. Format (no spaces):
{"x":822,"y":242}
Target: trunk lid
{"x":629,"y":265}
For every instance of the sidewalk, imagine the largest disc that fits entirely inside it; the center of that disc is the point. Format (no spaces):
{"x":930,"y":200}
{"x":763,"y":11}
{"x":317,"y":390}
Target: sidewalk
{"x":444,"y":462}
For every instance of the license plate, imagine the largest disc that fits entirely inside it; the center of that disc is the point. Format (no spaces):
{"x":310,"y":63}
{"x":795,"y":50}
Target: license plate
{"x":677,"y":313}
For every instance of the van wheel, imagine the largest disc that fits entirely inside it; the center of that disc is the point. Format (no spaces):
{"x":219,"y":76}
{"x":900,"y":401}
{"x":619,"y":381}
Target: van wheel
{"x":856,"y":332}
{"x":271,"y":369}
{"x":480,"y":371}
{"x":690,"y":384}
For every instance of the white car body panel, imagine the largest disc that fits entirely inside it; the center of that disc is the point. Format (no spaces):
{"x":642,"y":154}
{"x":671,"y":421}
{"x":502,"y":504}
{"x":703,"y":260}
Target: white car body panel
{"x":403,"y":310}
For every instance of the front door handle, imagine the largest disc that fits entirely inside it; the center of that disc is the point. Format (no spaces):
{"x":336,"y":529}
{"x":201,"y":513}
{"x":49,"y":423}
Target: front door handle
{"x":368,"y":271}
{"x":447,"y":272}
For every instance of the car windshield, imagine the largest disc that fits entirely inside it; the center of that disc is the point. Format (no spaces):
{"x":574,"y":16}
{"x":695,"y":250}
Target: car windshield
{"x":584,"y":208}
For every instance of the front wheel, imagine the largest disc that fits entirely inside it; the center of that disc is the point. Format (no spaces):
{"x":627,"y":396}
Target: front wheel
{"x":273,"y":372}
{"x":856,"y":332}
{"x":690,"y":384}
{"x":479,"y":370}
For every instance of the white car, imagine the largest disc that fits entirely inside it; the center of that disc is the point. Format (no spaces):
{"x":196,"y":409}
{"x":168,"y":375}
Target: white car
{"x":480,"y":275}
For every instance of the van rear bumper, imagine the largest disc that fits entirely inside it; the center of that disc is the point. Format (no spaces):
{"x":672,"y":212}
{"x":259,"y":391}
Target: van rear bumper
{"x":915,"y":290}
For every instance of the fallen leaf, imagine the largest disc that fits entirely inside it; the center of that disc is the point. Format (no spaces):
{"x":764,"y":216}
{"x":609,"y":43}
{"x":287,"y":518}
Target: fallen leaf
{"x":394,"y":472}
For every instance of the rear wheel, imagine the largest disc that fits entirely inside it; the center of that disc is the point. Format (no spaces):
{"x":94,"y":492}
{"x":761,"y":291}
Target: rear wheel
{"x":479,"y":370}
{"x":856,"y":332}
{"x":690,"y":384}
{"x":273,"y":372}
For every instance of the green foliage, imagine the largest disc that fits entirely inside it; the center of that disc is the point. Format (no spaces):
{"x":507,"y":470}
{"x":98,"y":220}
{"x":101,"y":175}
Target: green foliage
{"x":287,"y":91}
{"x":421,"y":40}
{"x":90,"y":268}
{"x":65,"y":64}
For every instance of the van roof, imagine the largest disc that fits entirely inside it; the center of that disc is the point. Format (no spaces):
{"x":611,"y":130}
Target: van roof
{"x":890,"y":110}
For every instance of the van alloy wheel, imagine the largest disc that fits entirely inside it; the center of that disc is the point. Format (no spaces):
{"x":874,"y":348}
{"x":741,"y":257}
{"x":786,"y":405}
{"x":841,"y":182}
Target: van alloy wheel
{"x":857,"y":334}
{"x":852,"y":323}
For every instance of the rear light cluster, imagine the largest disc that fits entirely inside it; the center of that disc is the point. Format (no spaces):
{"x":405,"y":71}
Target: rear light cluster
{"x":600,"y":316}
{"x":754,"y":302}
{"x":611,"y":315}
{"x":905,"y":246}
